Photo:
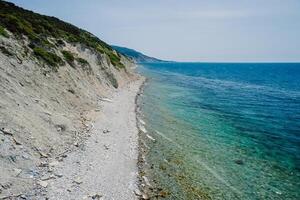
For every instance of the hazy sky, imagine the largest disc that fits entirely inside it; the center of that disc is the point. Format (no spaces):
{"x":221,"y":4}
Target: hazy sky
{"x":188,"y":30}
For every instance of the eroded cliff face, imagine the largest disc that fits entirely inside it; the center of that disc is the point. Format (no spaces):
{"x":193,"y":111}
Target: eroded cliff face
{"x":47,"y":110}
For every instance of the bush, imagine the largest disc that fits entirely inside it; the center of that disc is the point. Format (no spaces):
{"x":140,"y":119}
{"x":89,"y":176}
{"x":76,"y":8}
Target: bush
{"x":82,"y":62}
{"x":3,"y":32}
{"x":69,"y":57}
{"x":60,"y":42}
{"x":49,"y":57}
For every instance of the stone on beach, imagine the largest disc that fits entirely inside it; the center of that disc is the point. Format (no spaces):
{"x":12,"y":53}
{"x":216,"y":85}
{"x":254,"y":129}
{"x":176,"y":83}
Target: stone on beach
{"x":43,"y":183}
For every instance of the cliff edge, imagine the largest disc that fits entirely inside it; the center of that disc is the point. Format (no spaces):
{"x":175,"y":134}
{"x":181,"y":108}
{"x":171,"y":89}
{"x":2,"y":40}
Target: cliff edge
{"x":53,"y":77}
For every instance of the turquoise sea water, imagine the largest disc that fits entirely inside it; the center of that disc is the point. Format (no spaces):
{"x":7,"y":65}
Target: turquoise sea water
{"x":223,"y":130}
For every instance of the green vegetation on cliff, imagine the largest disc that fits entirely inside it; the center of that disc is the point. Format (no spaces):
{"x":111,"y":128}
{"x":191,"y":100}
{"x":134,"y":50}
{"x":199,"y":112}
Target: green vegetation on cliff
{"x":135,"y":55}
{"x":50,"y":58}
{"x":39,"y":29}
{"x":69,"y":57}
{"x":3,"y":32}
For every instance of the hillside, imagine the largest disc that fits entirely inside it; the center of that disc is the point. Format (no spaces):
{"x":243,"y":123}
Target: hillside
{"x":45,"y":34}
{"x":53,"y":80}
{"x":135,"y":55}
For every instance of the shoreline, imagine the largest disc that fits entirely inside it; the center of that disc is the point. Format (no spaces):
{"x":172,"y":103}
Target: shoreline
{"x":147,"y":188}
{"x":106,"y":164}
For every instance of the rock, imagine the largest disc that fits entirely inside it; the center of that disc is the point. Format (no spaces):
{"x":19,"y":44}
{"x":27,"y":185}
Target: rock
{"x":60,"y":159}
{"x":48,"y":177}
{"x":6,"y":131}
{"x":64,"y":155}
{"x":44,"y":184}
{"x":137,"y":192}
{"x":106,"y":131}
{"x":58,"y":175}
{"x":43,"y":164}
{"x":95,"y":196}
{"x":78,"y":181}
{"x":53,"y":163}
{"x":13,"y":158}
{"x":43,"y":154}
{"x":60,"y":127}
{"x":106,"y":147}
{"x":17,"y":171}
{"x":76,"y":144}
{"x":6,"y":185}
{"x":71,"y":91}
{"x":239,"y":162}
{"x":142,"y":122}
{"x":146,"y":180}
{"x":16,"y":141}
{"x":143,"y":129}
{"x":145,"y":196}
{"x":105,"y":99}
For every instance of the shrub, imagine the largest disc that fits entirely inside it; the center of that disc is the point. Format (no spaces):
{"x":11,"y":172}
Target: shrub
{"x":69,"y":57}
{"x":3,"y":32}
{"x":82,"y":62}
{"x":60,"y":42}
{"x":49,"y":57}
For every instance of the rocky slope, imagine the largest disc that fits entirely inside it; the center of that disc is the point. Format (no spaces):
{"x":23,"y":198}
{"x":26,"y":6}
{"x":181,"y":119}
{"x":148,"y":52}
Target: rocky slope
{"x":135,"y":55}
{"x":52,"y":77}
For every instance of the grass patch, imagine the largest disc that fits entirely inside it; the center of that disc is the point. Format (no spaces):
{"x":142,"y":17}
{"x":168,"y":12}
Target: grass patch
{"x":69,"y":57}
{"x":82,"y":62}
{"x":85,"y":65}
{"x":3,"y":32}
{"x":50,"y":58}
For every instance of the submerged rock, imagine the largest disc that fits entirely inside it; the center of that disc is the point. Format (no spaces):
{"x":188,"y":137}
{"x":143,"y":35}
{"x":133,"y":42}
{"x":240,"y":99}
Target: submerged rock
{"x":239,"y":162}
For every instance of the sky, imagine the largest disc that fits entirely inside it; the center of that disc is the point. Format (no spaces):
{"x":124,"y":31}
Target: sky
{"x":188,"y":30}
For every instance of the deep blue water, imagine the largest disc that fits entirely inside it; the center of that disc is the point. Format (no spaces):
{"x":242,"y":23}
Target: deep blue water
{"x":223,"y":130}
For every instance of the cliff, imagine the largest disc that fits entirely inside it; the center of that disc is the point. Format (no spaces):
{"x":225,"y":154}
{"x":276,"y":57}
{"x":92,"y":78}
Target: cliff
{"x":52,"y":77}
{"x":136,"y":56}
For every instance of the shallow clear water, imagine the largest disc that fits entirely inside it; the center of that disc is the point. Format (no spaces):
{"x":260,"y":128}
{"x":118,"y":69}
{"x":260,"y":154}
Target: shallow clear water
{"x":223,"y":131}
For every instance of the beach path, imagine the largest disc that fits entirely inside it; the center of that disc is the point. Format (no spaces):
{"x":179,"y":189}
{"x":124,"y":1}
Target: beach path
{"x":106,"y":164}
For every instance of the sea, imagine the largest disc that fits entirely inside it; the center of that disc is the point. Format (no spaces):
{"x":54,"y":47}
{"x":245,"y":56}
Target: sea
{"x":222,"y":130}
